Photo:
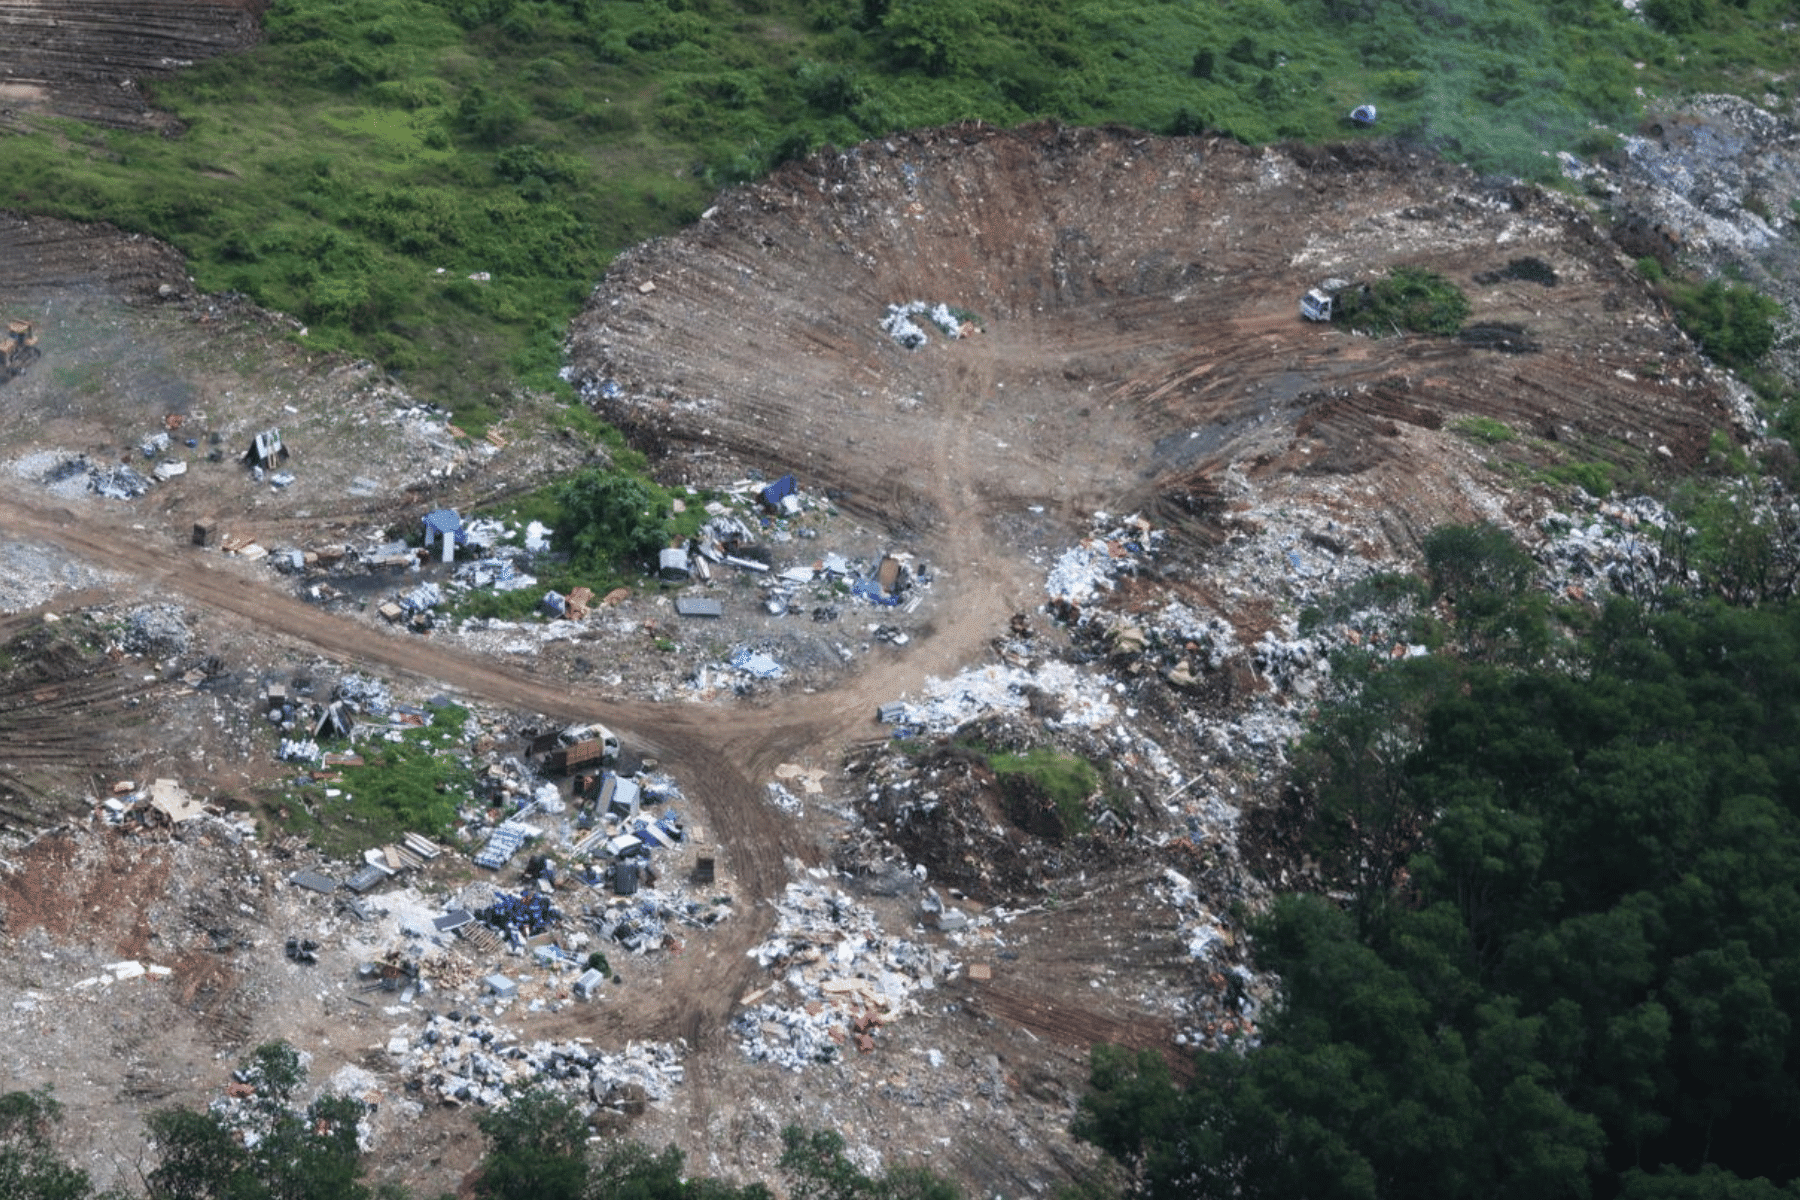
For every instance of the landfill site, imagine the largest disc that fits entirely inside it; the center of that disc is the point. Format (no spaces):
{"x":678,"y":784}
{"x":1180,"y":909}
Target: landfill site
{"x":1003,"y":440}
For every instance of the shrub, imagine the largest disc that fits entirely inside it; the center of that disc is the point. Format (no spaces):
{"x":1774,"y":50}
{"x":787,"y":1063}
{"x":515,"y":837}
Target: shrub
{"x":1485,"y":430}
{"x":1734,"y":323}
{"x":1407,"y":299}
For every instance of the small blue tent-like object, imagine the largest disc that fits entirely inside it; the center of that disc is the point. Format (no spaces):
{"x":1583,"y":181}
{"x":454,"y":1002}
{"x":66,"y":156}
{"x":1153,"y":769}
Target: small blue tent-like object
{"x":1363,"y":114}
{"x":444,"y":520}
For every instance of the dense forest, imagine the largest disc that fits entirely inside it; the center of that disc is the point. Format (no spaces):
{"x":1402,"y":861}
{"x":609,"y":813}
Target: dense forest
{"x":363,"y":163}
{"x":1566,"y":960}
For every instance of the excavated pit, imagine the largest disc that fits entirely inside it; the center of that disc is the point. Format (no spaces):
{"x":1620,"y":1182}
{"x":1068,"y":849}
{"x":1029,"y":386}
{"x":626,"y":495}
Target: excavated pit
{"x":1140,"y":345}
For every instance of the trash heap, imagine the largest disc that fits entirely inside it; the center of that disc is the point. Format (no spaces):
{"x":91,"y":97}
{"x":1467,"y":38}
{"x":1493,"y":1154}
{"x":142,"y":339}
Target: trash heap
{"x":1200,"y":931}
{"x":898,"y":323}
{"x":1229,"y":997}
{"x":156,"y":631}
{"x":757,"y":663}
{"x":737,"y":534}
{"x":838,"y":979}
{"x":644,"y":922}
{"x":496,"y":572}
{"x":521,"y":916}
{"x":468,"y":1059}
{"x":248,"y":1112}
{"x":1083,"y":570}
{"x":118,"y":482}
{"x":365,"y":694}
{"x":1611,"y":547}
{"x":1086,"y":698}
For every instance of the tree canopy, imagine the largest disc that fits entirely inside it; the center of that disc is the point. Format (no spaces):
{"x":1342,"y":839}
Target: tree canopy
{"x":1587,"y":981}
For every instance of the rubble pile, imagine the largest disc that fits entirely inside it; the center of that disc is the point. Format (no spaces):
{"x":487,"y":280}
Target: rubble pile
{"x":499,"y":571}
{"x":1085,"y":696}
{"x":898,"y":322}
{"x":932,"y":817}
{"x":462,"y":1058}
{"x":157,"y":631}
{"x":72,"y":475}
{"x":1615,"y":546}
{"x":249,"y":1116}
{"x":844,"y":975}
{"x":1091,"y":566}
{"x":643,"y":922}
{"x":365,"y":694}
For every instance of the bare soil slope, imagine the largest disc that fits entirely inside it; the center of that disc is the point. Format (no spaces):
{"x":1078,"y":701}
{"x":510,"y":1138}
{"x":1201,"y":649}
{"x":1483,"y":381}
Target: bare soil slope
{"x":1138,"y":298}
{"x":90,"y":61}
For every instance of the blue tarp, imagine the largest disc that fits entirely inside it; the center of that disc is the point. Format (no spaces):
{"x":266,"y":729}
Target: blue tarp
{"x":868,"y":589}
{"x":778,"y":491}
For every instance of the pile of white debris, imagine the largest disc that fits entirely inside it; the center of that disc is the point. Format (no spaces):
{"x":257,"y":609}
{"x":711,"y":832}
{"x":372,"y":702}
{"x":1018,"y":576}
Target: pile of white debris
{"x":838,"y":979}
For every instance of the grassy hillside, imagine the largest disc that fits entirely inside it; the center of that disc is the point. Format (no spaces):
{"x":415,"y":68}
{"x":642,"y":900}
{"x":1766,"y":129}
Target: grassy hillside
{"x":361,"y":165}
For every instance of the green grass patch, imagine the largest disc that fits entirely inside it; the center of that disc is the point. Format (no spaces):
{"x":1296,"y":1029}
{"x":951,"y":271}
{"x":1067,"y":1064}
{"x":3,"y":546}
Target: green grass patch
{"x":1047,"y":791}
{"x":1485,"y":430}
{"x":416,"y":783}
{"x":1594,"y":478}
{"x":363,"y":161}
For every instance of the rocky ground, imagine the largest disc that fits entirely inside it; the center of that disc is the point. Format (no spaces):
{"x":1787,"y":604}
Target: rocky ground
{"x":1116,"y":492}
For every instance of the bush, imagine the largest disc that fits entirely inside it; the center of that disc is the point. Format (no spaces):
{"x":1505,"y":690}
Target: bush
{"x":1407,"y":299}
{"x":609,"y":519}
{"x":1734,"y":323}
{"x":1485,"y":430}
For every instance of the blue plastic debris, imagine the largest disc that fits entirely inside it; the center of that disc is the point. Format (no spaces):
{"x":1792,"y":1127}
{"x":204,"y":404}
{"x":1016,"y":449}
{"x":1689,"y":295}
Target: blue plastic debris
{"x":868,"y":589}
{"x":778,"y":491}
{"x":525,"y":915}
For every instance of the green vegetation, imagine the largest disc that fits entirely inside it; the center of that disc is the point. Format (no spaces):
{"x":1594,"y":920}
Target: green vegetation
{"x":274,"y":1150}
{"x":817,"y":1169}
{"x":608,"y":526}
{"x":413,"y":784}
{"x":1594,"y":478}
{"x":1046,"y":791}
{"x":1407,"y":299}
{"x":537,"y":1150}
{"x":1734,"y":323}
{"x":30,"y":1168}
{"x":1485,"y":430}
{"x":609,"y":519}
{"x":1736,"y":537}
{"x":367,"y":163}
{"x":1572,"y":969}
{"x":267,"y":1146}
